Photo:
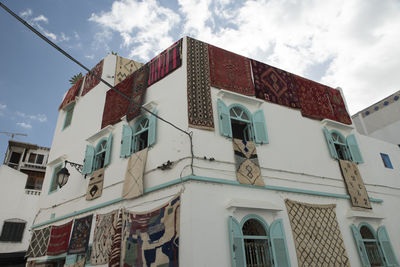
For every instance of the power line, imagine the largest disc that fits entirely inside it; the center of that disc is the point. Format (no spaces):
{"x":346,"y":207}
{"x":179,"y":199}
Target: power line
{"x":92,"y":73}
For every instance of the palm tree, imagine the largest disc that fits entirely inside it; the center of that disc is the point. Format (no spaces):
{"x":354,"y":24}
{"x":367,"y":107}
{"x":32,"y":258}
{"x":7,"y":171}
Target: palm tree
{"x":75,"y":78}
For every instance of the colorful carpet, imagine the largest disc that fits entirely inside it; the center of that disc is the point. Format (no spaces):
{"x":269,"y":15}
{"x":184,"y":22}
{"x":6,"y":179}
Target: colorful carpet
{"x":123,"y":68}
{"x":115,"y":256}
{"x":355,"y":185}
{"x":316,"y":234}
{"x":59,"y":239}
{"x":133,"y":183}
{"x":71,"y":94}
{"x":230,"y":71}
{"x":246,"y":161}
{"x":314,"y":99}
{"x":198,"y":86}
{"x":339,"y":108}
{"x":274,"y":85}
{"x":95,"y":186}
{"x":165,"y":63}
{"x":138,"y":91}
{"x":90,"y":80}
{"x":39,"y":241}
{"x":103,"y":235}
{"x":80,"y":235}
{"x":152,"y":238}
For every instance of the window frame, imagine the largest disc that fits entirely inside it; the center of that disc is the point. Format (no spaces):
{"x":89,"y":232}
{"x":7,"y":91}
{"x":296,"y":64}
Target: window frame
{"x":4,"y":235}
{"x":98,"y":152}
{"x":54,"y":178}
{"x":386,"y":161}
{"x":351,"y":149}
{"x":69,"y":112}
{"x":137,"y":132}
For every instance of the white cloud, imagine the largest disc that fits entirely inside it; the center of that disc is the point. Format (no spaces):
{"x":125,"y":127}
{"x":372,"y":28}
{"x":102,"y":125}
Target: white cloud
{"x":37,"y":117}
{"x":3,"y":106}
{"x":89,"y":56}
{"x":40,"y":18}
{"x":26,"y":13}
{"x":144,"y":26}
{"x":64,"y":37}
{"x":76,"y":35}
{"x":24,"y":125}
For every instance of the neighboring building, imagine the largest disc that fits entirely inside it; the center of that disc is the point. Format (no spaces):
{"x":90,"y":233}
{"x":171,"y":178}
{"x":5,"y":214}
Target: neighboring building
{"x":231,"y":212}
{"x":22,"y":177}
{"x":381,"y":120}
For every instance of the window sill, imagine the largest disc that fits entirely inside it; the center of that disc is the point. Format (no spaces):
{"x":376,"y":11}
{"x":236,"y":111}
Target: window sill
{"x":252,"y":204}
{"x":224,"y":94}
{"x":365,"y":214}
{"x":337,"y":125}
{"x":105,"y":131}
{"x":57,"y":160}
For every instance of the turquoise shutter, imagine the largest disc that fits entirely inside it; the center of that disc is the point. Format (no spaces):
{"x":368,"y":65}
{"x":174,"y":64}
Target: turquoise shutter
{"x":386,"y":246}
{"x":278,"y":243}
{"x":107,"y":157}
{"x":88,"y":162}
{"x":224,"y":119}
{"x":260,"y":129}
{"x":71,"y":259}
{"x":126,"y":142}
{"x":360,"y":246}
{"x":329,"y":141}
{"x":236,"y":243}
{"x":151,"y":139}
{"x":354,"y":149}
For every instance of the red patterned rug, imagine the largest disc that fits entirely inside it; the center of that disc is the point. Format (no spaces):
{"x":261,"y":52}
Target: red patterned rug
{"x":339,"y":108}
{"x":314,"y":99}
{"x":165,"y":63}
{"x":275,"y":85}
{"x":230,"y":71}
{"x":90,"y":80}
{"x":59,"y":239}
{"x":71,"y":94}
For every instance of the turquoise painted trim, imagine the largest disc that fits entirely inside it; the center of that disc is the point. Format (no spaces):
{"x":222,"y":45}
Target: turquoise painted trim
{"x":57,"y":257}
{"x":203,"y":179}
{"x":69,"y":109}
{"x":255,"y":217}
{"x":245,"y":110}
{"x":53,"y":177}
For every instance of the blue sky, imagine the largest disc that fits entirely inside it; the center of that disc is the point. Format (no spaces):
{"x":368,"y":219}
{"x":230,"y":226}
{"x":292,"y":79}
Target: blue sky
{"x":351,"y":44}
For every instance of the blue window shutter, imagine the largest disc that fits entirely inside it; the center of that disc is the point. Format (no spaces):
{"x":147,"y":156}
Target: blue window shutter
{"x":89,"y":158}
{"x":354,"y":149}
{"x":260,"y":128}
{"x":278,"y":243}
{"x":386,"y":246}
{"x":236,"y":243}
{"x":126,"y":142}
{"x":329,"y":141}
{"x":224,"y":119}
{"x":107,"y":157}
{"x":360,"y":246}
{"x":71,"y":259}
{"x":151,"y":139}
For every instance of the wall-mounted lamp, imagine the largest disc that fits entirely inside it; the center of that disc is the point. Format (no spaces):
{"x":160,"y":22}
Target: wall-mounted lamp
{"x":63,"y":174}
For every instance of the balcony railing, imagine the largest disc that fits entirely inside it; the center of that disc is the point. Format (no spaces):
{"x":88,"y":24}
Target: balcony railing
{"x":32,"y":192}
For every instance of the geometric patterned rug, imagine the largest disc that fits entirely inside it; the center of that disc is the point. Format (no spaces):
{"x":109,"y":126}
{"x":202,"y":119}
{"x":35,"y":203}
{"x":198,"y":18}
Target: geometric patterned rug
{"x":316,"y":234}
{"x":59,"y":239}
{"x":90,"y":80}
{"x":80,"y":235}
{"x":133,"y":183}
{"x":200,"y":112}
{"x":123,"y":68}
{"x":339,"y":108}
{"x":95,"y":187}
{"x":246,"y":162}
{"x":71,"y":94}
{"x":138,"y":91}
{"x":39,"y":241}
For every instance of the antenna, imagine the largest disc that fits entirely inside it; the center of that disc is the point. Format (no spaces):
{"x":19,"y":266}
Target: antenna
{"x":12,"y":135}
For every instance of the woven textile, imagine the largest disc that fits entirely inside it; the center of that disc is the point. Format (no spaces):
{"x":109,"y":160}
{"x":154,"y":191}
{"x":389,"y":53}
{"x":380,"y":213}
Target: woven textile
{"x":339,"y":108}
{"x":314,"y":99}
{"x":59,"y":239}
{"x":138,"y":91}
{"x":90,"y":80}
{"x":80,"y":235}
{"x":230,"y":71}
{"x":115,"y":256}
{"x":274,"y":85}
{"x":39,"y":241}
{"x":71,"y":94}
{"x":123,"y":68}
{"x":103,"y":235}
{"x":198,"y":86}
{"x":152,"y":238}
{"x":246,"y":161}
{"x":316,"y":235}
{"x":165,"y":63}
{"x":133,"y":184}
{"x":95,"y":187}
{"x":355,"y":185}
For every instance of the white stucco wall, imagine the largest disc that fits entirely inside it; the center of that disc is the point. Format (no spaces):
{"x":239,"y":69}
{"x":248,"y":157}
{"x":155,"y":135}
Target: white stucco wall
{"x":16,"y":204}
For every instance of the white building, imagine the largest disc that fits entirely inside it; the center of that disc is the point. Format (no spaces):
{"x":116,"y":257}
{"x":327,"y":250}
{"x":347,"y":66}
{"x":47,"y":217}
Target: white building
{"x":223,"y":221}
{"x":381,"y":120}
{"x":21,"y":175}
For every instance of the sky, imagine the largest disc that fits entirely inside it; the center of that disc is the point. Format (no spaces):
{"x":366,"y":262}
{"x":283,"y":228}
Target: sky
{"x":353,"y":44}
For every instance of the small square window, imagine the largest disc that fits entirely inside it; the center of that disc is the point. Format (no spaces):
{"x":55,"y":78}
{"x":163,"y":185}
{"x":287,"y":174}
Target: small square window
{"x":32,"y":158}
{"x":12,"y":231}
{"x":15,"y":157}
{"x":39,"y":159}
{"x":386,"y":161}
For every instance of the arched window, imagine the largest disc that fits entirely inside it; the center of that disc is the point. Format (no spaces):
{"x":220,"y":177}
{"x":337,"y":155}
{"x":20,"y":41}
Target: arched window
{"x":371,"y":246}
{"x":256,"y":245}
{"x":97,"y":157}
{"x":141,"y":135}
{"x":340,"y":145}
{"x":100,"y":156}
{"x":241,"y":123}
